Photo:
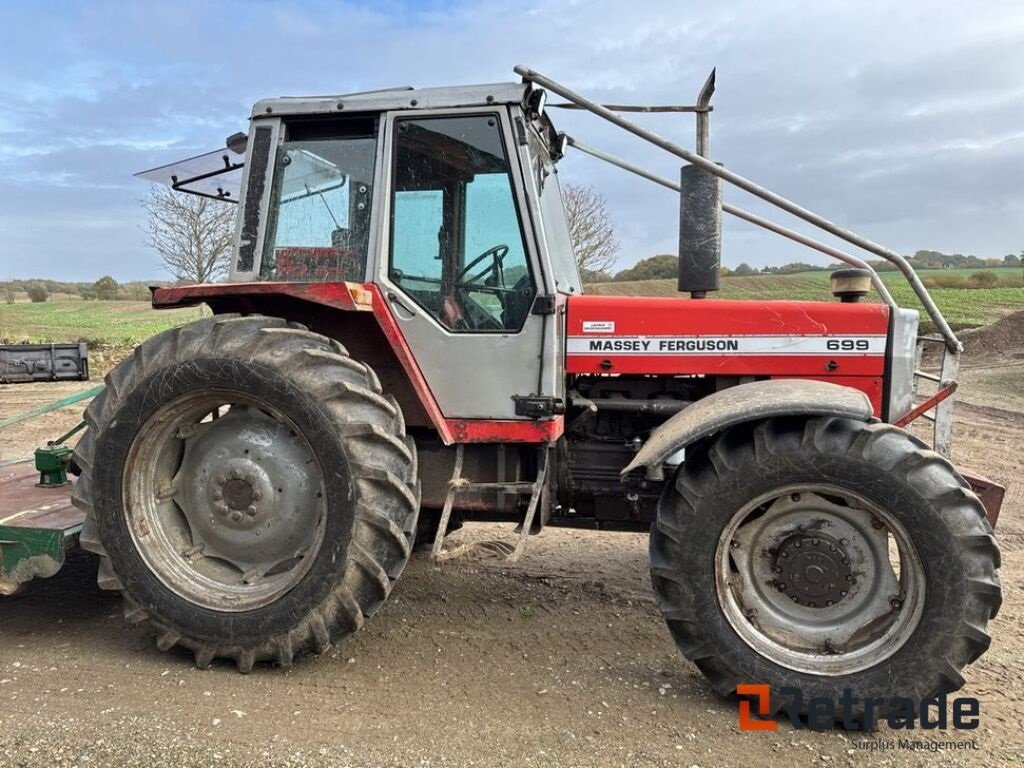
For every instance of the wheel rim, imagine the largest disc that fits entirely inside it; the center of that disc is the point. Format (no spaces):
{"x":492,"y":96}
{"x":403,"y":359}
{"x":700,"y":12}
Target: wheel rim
{"x":820,"y":580}
{"x":224,"y":499}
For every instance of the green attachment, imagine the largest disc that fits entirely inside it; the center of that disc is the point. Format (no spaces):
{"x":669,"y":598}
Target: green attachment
{"x":29,"y":553}
{"x":52,"y":463}
{"x":67,"y":435}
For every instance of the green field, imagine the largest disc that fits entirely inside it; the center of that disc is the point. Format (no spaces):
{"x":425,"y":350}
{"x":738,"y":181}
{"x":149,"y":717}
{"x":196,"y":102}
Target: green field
{"x":962,"y":307}
{"x":129,"y":322}
{"x":106,"y":322}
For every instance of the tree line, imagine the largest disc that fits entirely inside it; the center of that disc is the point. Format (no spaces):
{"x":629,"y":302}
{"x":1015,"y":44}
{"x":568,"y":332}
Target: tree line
{"x":104,"y":289}
{"x":665,"y":266}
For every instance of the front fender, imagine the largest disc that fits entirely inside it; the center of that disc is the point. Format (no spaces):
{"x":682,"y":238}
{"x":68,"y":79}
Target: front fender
{"x":746,"y":402}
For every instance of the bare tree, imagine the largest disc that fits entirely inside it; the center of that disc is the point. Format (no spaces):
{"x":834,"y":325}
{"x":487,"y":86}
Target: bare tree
{"x":590,"y":227}
{"x":192,"y":234}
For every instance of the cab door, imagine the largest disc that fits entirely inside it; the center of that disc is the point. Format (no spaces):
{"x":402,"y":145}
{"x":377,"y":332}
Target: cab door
{"x":459,"y":271}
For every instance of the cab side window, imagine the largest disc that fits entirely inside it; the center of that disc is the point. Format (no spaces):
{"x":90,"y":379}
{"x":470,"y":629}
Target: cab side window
{"x":456,"y":239}
{"x":319,"y":222}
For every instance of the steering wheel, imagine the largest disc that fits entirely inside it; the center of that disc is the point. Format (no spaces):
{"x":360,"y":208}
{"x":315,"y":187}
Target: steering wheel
{"x":497,"y":254}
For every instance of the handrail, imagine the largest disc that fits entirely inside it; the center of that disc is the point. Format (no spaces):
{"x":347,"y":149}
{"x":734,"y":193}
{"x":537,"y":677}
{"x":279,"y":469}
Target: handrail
{"x":757,"y":190}
{"x":771,"y":226}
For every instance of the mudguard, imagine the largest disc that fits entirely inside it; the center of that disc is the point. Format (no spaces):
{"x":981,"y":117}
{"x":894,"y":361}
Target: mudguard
{"x":745,"y":402}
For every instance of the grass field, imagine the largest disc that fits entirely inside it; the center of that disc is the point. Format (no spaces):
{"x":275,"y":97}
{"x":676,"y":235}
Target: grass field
{"x":962,"y":307}
{"x":107,"y":322}
{"x":129,"y":322}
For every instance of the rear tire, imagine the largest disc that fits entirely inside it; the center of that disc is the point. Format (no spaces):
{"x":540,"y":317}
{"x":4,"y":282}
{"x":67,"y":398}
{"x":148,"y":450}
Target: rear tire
{"x":886,"y":477}
{"x":335,"y":539}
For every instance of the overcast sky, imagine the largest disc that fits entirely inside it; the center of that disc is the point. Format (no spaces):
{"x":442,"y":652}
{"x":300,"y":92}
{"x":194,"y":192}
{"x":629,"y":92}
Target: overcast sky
{"x":903,"y":120}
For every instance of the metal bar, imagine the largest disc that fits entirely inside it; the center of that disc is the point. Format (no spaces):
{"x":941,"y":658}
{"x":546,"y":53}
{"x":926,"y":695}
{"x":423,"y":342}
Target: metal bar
{"x":55,"y":405}
{"x":531,"y":509}
{"x":942,"y":440}
{"x":663,"y":407}
{"x":639,"y":108}
{"x":758,"y":191}
{"x":704,"y":116}
{"x":223,"y":198}
{"x":929,"y":376}
{"x":449,"y":502}
{"x":70,"y":433}
{"x":918,"y":354}
{"x":500,"y":487}
{"x":928,"y":404}
{"x":739,"y":213}
{"x":228,"y":167}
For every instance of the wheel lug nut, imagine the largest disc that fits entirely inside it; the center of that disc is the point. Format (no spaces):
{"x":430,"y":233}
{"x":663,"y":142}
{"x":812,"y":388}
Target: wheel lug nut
{"x":251,"y":511}
{"x":843,"y":593}
{"x":795,"y":497}
{"x":236,"y":516}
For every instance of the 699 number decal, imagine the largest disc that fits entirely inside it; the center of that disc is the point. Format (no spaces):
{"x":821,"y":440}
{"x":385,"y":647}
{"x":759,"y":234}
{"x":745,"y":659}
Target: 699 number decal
{"x":847,"y":345}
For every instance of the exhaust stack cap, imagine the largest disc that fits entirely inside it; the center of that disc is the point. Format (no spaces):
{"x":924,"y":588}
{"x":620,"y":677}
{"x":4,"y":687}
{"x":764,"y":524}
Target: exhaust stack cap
{"x":700,"y":231}
{"x":850,"y":285}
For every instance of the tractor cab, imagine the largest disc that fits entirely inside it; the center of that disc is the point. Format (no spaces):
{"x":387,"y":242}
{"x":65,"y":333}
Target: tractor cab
{"x":445,"y":200}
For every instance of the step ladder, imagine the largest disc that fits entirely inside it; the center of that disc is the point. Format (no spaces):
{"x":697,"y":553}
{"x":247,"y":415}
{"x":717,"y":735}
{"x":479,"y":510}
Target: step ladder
{"x":458,"y":484}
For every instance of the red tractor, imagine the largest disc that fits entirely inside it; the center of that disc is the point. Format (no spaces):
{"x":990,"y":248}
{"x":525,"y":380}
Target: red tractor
{"x":405,"y":343}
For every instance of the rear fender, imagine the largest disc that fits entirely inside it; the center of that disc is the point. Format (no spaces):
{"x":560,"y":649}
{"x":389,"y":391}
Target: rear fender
{"x":742,"y":403}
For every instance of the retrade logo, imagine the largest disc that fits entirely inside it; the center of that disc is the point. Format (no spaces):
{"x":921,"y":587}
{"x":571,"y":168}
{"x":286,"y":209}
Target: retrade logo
{"x":821,"y":713}
{"x":761,"y":694}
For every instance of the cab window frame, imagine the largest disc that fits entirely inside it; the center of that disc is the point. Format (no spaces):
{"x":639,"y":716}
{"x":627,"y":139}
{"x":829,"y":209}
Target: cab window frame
{"x":321,"y":128}
{"x":514,"y":175}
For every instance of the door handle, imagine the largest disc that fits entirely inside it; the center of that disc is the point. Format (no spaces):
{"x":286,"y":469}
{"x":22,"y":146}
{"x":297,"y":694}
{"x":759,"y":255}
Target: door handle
{"x":393,"y":298}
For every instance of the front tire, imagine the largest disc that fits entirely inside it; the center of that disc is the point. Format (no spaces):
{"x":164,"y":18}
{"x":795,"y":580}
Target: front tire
{"x":249,"y":489}
{"x":825,"y":554}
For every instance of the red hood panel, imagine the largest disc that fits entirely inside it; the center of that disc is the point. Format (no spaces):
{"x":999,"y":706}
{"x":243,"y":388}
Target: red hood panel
{"x":627,"y":334}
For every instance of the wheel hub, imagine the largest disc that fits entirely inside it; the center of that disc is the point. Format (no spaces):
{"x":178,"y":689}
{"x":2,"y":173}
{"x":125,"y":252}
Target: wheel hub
{"x":242,"y":494}
{"x":813,"y":569}
{"x":250,"y":491}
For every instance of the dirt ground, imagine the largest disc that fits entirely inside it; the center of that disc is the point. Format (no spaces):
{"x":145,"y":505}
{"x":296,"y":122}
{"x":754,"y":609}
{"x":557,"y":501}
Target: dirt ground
{"x":561,"y":660}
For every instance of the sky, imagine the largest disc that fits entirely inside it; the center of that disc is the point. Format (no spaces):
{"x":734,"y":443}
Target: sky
{"x":902,"y":120}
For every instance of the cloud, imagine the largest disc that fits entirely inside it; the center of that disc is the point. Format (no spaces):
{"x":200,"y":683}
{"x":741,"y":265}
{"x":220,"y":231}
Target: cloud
{"x":901,"y":121}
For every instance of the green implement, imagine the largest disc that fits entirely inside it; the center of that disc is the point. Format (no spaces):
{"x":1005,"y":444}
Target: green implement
{"x":38,"y":525}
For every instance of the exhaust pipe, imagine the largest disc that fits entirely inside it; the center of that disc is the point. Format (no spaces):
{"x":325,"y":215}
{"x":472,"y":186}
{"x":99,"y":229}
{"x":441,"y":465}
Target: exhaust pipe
{"x":700,"y":231}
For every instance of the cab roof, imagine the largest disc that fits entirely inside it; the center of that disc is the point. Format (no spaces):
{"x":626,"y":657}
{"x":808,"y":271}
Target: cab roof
{"x":394,"y":99}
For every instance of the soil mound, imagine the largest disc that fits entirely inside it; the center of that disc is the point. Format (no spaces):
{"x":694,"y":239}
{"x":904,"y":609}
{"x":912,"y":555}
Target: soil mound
{"x":1001,"y":341}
